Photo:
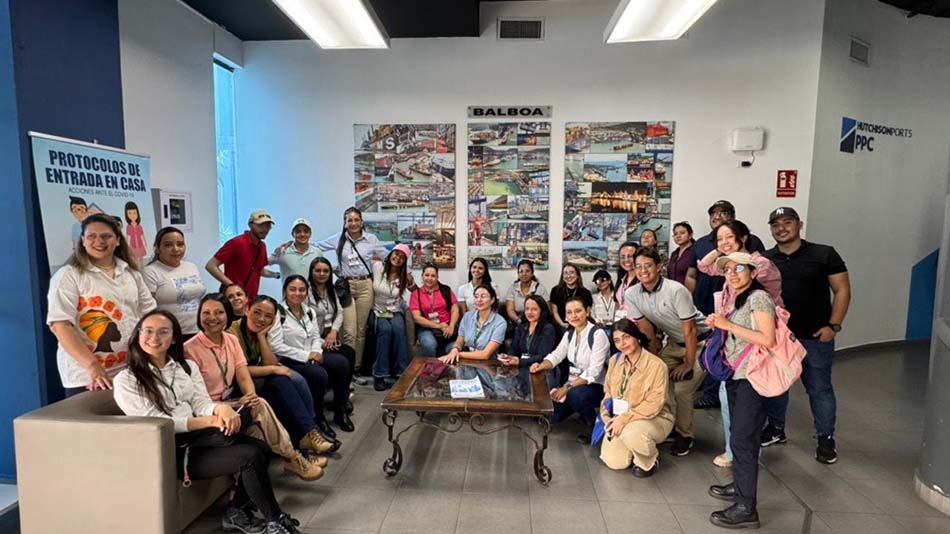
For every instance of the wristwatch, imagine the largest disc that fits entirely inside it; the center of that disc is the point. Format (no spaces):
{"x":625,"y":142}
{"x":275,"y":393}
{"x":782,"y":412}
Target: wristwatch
{"x":835,"y":327}
{"x":568,"y":385}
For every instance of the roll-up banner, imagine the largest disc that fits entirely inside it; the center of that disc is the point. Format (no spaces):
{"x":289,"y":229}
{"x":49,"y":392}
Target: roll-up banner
{"x":75,"y":179}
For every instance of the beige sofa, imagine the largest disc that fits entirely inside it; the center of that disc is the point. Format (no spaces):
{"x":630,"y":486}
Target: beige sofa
{"x":82,"y":466}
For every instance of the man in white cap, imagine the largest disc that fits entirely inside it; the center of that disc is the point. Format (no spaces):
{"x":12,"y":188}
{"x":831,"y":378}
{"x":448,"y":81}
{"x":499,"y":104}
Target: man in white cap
{"x":245,"y":256}
{"x":294,"y":257}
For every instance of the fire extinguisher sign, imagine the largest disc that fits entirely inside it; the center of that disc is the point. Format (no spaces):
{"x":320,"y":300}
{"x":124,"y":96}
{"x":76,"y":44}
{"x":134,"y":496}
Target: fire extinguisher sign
{"x":786,"y":184}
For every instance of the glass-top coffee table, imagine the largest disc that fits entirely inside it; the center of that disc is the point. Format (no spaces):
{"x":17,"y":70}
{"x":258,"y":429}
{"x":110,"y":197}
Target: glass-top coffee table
{"x":508,"y":393}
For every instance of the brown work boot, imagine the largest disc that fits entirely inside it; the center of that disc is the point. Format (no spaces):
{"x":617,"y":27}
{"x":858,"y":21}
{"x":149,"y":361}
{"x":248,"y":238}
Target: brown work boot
{"x":303,"y":467}
{"x":315,"y":441}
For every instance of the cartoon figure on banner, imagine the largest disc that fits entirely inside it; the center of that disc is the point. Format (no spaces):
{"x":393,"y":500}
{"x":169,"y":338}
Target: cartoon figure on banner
{"x":134,"y":232}
{"x":79,"y":210}
{"x":97,"y":321}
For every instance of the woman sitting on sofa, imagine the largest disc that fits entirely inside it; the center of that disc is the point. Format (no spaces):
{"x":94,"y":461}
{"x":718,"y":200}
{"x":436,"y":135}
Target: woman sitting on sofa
{"x":159,"y":382}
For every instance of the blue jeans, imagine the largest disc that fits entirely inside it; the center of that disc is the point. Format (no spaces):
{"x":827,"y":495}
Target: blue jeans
{"x":724,"y":401}
{"x":430,"y":342}
{"x":816,"y":377}
{"x":583,"y":400}
{"x":391,"y":338}
{"x":291,"y":400}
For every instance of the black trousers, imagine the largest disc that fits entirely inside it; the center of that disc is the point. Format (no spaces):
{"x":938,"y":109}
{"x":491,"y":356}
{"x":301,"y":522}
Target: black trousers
{"x":747,"y":413}
{"x":333,"y":373}
{"x":246,"y":457}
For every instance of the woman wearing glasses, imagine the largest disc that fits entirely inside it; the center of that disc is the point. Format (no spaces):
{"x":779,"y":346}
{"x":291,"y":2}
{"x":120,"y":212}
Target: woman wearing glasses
{"x":626,"y":275}
{"x":482,"y":330}
{"x":94,"y":302}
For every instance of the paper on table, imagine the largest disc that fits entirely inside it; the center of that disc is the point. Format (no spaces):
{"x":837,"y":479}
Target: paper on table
{"x":467,"y":389}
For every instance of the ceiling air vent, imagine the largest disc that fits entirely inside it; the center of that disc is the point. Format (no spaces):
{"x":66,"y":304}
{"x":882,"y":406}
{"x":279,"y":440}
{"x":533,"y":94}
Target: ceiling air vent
{"x":860,"y":52}
{"x":521,"y":29}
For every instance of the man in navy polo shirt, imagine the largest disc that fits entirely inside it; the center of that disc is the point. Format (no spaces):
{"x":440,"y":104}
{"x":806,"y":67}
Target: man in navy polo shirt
{"x":817,"y":291}
{"x":720,"y":212}
{"x":245,"y":256}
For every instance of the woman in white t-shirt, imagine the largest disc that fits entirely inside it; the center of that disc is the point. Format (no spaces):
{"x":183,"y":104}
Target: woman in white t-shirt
{"x":477,"y":275}
{"x":175,"y":283}
{"x":391,"y":281}
{"x":94,"y":302}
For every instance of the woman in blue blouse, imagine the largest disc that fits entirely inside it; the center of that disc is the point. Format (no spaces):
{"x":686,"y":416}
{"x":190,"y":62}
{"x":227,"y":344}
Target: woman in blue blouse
{"x":482,"y":330}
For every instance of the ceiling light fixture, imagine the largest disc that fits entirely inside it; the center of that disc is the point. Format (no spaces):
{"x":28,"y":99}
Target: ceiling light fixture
{"x":337,"y":23}
{"x":653,"y":20}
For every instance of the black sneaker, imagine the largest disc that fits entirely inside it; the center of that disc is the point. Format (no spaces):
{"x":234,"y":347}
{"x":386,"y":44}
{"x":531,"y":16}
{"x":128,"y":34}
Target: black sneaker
{"x":706,"y":403}
{"x":736,"y":516}
{"x":826,"y":452}
{"x":681,"y":446}
{"x":642,"y":473}
{"x":671,"y":437}
{"x":379,"y":384}
{"x":771,"y":435}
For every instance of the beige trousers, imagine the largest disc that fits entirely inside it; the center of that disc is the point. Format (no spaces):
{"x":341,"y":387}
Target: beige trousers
{"x":269,"y":430}
{"x":636,"y":444}
{"x":356,"y":314}
{"x":683,"y":391}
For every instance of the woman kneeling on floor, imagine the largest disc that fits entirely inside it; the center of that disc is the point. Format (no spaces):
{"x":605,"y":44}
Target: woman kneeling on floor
{"x":159,"y":382}
{"x":636,"y":408}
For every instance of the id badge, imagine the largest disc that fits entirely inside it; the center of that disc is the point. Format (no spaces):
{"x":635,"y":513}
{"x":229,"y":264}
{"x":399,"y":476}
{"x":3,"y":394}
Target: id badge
{"x":621,"y":406}
{"x":434,"y":316}
{"x":620,"y":314}
{"x":353,"y":260}
{"x":227,"y":393}
{"x":575,"y":372}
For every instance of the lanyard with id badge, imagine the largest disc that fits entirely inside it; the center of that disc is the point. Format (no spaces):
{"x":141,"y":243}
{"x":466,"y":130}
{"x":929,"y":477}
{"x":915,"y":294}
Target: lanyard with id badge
{"x":228,"y":387}
{"x":621,"y":405}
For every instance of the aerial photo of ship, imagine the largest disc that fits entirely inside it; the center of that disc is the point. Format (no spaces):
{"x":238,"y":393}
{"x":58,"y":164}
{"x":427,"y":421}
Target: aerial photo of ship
{"x":493,"y":134}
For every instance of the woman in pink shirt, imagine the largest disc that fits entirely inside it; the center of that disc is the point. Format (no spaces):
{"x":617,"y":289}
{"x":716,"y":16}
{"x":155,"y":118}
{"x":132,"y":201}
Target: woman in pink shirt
{"x":224,"y":369}
{"x":435,"y":311}
{"x":731,"y":237}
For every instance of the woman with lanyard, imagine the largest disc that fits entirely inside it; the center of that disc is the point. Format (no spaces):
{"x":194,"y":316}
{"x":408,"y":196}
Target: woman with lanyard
{"x":161,"y":383}
{"x":435,"y":311}
{"x":682,"y":264}
{"x":355,"y":249}
{"x":604,"y":310}
{"x":95,"y":299}
{"x":224,"y":369}
{"x":636,"y":408}
{"x":329,"y":313}
{"x":238,"y":299}
{"x":481,"y":331}
{"x":284,"y":388}
{"x":478,"y":274}
{"x":586,"y":347}
{"x":748,"y":321}
{"x":535,"y":338}
{"x":297,"y":343}
{"x":175,"y":283}
{"x":526,"y":284}
{"x":391,"y":279}
{"x":570,"y":285}
{"x":626,"y":276}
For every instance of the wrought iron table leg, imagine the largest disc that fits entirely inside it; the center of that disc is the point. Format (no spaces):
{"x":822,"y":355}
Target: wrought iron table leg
{"x":392,"y":464}
{"x":541,"y":471}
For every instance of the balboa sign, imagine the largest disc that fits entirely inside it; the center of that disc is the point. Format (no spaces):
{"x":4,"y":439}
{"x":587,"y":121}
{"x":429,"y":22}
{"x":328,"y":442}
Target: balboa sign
{"x":515,"y":112}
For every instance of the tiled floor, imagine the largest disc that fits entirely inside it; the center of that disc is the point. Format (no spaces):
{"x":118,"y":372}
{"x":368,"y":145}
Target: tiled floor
{"x":466,"y":483}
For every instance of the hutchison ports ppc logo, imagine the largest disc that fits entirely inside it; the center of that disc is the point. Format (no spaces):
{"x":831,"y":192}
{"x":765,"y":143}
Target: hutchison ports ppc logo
{"x":849,"y":129}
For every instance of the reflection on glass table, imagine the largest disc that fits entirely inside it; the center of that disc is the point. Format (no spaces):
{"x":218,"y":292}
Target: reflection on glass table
{"x":499,"y":383}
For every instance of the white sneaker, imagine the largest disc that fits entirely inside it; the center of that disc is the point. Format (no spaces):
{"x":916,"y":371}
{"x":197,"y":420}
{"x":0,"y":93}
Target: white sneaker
{"x":722,"y":460}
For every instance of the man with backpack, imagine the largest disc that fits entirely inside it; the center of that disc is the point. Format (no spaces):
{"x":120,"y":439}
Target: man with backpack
{"x":663,"y":306}
{"x":810,"y":274}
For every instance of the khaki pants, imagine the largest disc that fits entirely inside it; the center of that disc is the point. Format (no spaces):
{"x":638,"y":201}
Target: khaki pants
{"x":269,"y":430}
{"x":355,"y":316}
{"x":636,"y":444}
{"x":673,"y":355}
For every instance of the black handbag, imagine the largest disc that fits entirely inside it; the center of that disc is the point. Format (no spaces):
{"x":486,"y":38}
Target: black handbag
{"x":342,"y":288}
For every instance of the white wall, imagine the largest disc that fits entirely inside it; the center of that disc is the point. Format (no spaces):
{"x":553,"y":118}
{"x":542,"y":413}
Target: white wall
{"x":168,"y":96}
{"x":747,"y":62}
{"x":882,"y":210}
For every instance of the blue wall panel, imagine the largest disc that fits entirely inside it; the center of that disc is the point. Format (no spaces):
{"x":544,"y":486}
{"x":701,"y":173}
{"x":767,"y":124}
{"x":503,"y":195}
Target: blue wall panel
{"x":920,"y":307}
{"x":59,"y":74}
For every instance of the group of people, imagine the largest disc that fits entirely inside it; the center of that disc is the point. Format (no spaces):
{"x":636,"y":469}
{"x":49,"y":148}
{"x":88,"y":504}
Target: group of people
{"x":244,"y":375}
